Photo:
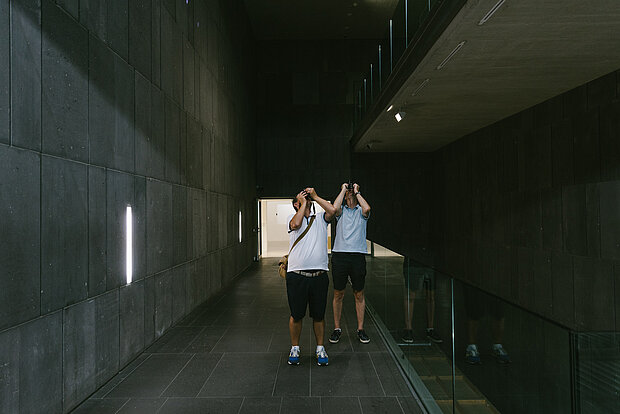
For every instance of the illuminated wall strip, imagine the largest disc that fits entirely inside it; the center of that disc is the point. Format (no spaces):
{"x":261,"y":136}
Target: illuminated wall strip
{"x":419,"y":88}
{"x":129,"y":246}
{"x":240,"y":231}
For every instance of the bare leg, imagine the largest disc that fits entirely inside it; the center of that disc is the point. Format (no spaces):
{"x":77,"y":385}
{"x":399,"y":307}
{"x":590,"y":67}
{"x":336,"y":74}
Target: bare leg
{"x":319,"y":330}
{"x":360,"y":308}
{"x":294,"y":328}
{"x":337,"y":305}
{"x":430,"y":308}
{"x":409,"y":300}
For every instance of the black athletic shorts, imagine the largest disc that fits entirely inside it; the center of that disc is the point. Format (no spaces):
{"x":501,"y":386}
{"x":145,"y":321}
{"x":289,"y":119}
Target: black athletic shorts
{"x":307,"y":290}
{"x":349,"y":265}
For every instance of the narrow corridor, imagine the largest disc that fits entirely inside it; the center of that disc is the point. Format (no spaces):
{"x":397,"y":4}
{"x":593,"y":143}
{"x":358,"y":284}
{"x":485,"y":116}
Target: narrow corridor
{"x":229,"y":356}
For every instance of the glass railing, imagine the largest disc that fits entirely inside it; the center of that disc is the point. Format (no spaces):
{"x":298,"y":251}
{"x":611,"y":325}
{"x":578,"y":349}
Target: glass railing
{"x":466,"y":351}
{"x":405,"y":24}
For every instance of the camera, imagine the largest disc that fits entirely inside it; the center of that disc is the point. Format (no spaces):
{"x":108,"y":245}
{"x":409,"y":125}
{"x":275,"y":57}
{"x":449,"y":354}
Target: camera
{"x":350,"y":185}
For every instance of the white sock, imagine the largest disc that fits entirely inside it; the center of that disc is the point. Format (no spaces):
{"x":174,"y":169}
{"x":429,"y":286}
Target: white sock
{"x":497,"y":346}
{"x":338,"y":329}
{"x":295,"y":347}
{"x":319,"y":348}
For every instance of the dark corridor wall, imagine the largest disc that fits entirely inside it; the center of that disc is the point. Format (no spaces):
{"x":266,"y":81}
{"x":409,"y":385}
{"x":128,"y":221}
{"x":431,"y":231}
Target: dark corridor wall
{"x":527,"y":209}
{"x":105,"y":103}
{"x":306,"y":94}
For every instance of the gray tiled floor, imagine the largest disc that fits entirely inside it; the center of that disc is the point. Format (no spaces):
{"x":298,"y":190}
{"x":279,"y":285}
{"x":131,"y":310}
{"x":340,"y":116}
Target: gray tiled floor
{"x":229,"y":356}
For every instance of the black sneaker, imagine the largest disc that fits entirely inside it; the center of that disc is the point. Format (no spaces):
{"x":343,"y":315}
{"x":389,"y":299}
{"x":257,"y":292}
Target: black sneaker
{"x":362,"y":336}
{"x":335,"y":336}
{"x":408,"y":336}
{"x":430,"y":334}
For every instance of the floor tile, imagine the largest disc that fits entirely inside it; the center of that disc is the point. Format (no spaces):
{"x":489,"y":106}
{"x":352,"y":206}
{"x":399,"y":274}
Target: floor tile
{"x":243,"y":374}
{"x":380,"y":405}
{"x":348,"y":375}
{"x":190,"y":380}
{"x":151,"y":378}
{"x":201,"y":406}
{"x":244,"y":340}
{"x":175,"y":340}
{"x":300,"y":405}
{"x":340,"y":405}
{"x":265,"y":405}
{"x":142,"y":405}
{"x":98,"y":406}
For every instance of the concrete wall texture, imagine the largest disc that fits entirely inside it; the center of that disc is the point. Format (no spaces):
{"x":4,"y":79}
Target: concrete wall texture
{"x":306,"y":95}
{"x":103,"y":104}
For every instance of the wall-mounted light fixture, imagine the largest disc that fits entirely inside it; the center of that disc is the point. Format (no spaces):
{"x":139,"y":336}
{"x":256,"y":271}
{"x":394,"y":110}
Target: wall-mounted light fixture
{"x":240,"y":229}
{"x":400,"y":115}
{"x":389,"y":108}
{"x":129,"y":244}
{"x":419,"y":88}
{"x":451,"y":55}
{"x":491,"y":12}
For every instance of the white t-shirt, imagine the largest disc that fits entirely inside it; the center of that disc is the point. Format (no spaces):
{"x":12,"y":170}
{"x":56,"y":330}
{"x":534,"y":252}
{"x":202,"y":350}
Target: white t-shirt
{"x":311,"y":251}
{"x":351,"y":231}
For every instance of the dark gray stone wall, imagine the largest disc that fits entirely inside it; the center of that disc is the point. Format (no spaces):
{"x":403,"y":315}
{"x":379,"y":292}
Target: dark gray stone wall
{"x":105,"y":104}
{"x":306,"y":95}
{"x":525,"y":209}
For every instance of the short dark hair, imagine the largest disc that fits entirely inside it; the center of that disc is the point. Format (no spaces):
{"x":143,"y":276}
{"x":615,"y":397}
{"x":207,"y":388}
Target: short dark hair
{"x":293,"y":202}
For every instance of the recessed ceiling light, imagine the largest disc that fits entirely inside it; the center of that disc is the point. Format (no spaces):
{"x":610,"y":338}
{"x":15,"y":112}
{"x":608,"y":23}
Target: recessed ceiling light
{"x":419,"y":88}
{"x":390,"y":108}
{"x":491,"y":12}
{"x":447,"y":59}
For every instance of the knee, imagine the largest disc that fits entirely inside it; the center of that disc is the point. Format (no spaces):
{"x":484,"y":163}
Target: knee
{"x":338,"y":295}
{"x":359,"y":295}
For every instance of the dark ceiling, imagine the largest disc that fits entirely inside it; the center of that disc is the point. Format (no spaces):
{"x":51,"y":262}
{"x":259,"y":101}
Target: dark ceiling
{"x":320,"y":19}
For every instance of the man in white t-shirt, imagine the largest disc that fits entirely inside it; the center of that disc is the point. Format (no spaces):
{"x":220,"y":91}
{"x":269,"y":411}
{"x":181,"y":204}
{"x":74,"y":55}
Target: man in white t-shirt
{"x":307,"y":282}
{"x":348,"y":256}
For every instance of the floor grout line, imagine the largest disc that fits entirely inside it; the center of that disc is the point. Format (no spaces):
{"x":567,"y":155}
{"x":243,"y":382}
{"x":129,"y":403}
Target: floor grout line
{"x":275,"y":382}
{"x":176,"y":376}
{"x":377,"y":374}
{"x":212,"y":371}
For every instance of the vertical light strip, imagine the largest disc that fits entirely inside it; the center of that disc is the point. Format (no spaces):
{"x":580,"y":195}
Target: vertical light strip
{"x":129,"y":246}
{"x":240,"y":233}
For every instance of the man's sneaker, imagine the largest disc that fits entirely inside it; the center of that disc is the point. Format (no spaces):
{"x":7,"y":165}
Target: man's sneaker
{"x":322,"y":358}
{"x":293,"y":356}
{"x":472,"y":355}
{"x":335,"y":336}
{"x":430,"y":334}
{"x":408,"y":336}
{"x":500,"y":354}
{"x":362,"y":336}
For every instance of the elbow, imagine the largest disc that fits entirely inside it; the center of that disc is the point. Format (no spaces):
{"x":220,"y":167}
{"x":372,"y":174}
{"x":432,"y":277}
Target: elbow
{"x":366,"y":211}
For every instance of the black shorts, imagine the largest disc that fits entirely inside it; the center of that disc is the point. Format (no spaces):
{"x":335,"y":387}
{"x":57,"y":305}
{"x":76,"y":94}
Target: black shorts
{"x":305,"y":290}
{"x":349,"y":265}
{"x":416,"y":276}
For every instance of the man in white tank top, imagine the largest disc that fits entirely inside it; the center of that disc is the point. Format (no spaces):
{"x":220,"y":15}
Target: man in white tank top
{"x":307,"y":282}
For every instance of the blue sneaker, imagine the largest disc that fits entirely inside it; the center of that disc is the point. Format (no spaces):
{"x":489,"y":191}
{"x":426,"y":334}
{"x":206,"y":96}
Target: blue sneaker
{"x":500,"y":354}
{"x":472,"y":356}
{"x":322,"y":358}
{"x":293,"y":356}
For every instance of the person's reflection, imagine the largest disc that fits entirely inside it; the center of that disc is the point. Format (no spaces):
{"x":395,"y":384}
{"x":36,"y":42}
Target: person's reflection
{"x":416,"y":278}
{"x":476,"y":306}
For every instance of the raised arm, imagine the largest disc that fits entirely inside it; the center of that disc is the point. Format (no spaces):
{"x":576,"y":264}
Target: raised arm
{"x":297,"y":219}
{"x":330,"y":211}
{"x":363,"y":203}
{"x":339,"y":200}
